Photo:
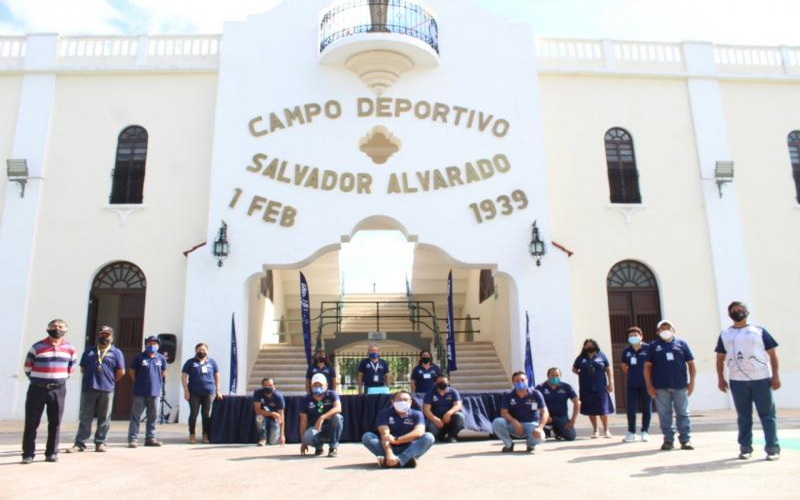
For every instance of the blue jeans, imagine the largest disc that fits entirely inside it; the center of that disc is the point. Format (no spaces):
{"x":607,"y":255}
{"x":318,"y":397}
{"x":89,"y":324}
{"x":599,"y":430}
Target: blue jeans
{"x":558,"y":427}
{"x":94,"y":403}
{"x":404,"y":452}
{"x":638,"y":397}
{"x":139,"y":404}
{"x":505,"y":431}
{"x":331,"y":432}
{"x":271,"y":430}
{"x":758,"y":392}
{"x":666,"y":400}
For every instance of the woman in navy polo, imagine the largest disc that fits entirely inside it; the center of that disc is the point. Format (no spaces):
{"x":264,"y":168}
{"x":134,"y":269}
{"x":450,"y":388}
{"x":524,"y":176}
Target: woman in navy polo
{"x":200,"y":378}
{"x":321,"y":364}
{"x":423,"y":376}
{"x":596,"y":384}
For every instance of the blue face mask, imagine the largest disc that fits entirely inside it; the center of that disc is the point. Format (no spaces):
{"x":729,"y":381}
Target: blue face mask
{"x":317,"y":391}
{"x":554,"y":380}
{"x":520,"y":386}
{"x":374,"y":355}
{"x":634,"y":339}
{"x":151,"y":349}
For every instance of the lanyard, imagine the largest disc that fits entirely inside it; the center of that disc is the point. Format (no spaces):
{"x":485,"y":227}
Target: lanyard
{"x":375,"y":366}
{"x":101,"y":357}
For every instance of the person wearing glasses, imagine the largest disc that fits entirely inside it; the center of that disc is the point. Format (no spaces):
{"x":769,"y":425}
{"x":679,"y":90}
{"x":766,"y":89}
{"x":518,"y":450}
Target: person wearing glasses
{"x":321,"y":418}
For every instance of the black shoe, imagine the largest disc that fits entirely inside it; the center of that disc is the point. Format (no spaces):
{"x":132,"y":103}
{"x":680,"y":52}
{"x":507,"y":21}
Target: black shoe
{"x":508,"y":449}
{"x":668,"y":445}
{"x":530,"y":449}
{"x":411,"y":464}
{"x":318,"y":452}
{"x":687,"y":446}
{"x":452,"y":439}
{"x":332,"y":452}
{"x":51,"y":458}
{"x":27,"y":460}
{"x":152,"y":442}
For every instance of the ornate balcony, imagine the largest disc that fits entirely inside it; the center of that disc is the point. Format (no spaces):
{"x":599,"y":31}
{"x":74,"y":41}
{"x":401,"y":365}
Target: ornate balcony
{"x":379,"y":39}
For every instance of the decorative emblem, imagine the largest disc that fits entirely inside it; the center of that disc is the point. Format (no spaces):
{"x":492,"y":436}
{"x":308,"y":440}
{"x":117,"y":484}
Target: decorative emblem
{"x":379,"y":144}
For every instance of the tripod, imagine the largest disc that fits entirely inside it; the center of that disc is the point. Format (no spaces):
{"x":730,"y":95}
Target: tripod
{"x":162,"y":402}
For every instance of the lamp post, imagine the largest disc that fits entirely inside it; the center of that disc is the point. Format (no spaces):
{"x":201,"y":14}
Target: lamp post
{"x":17,"y":171}
{"x":537,"y":246}
{"x":221,"y":245}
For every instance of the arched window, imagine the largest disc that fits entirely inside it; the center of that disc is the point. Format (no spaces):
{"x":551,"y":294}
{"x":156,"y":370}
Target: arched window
{"x":623,"y":178}
{"x":794,"y":156}
{"x":128,"y":181}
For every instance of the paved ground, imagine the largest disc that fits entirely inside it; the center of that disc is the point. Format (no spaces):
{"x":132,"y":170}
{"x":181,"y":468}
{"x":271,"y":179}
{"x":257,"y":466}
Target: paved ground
{"x":596,"y":468}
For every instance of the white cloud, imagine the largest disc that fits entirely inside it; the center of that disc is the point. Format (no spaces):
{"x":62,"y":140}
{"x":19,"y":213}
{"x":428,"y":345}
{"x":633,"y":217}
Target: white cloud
{"x":59,"y":16}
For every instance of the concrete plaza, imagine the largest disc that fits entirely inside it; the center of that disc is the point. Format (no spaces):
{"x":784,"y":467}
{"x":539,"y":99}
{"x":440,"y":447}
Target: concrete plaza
{"x":474,"y":468}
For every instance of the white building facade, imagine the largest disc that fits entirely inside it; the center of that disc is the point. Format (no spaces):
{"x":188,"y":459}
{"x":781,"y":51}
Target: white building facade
{"x":310,"y":122}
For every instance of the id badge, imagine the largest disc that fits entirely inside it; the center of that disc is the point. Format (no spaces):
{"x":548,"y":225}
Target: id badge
{"x":426,"y":375}
{"x":670,"y":357}
{"x":375,"y":378}
{"x":204,"y":369}
{"x":633,"y":361}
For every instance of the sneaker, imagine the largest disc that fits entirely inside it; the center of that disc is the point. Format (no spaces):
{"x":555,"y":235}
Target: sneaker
{"x":687,"y":446}
{"x":608,"y":434}
{"x":51,"y":458}
{"x":508,"y":449}
{"x":100,"y":448}
{"x":75,"y":449}
{"x":745,"y":455}
{"x":411,"y":464}
{"x":132,"y":444}
{"x":645,"y":436}
{"x":595,"y":434}
{"x":192,"y":439}
{"x":205,"y":439}
{"x":27,"y":460}
{"x":261,"y":442}
{"x":629,"y":438}
{"x":667,"y":446}
{"x":332,"y":453}
{"x":530,"y":449}
{"x":152,"y":442}
{"x":318,"y":452}
{"x":773,"y":456}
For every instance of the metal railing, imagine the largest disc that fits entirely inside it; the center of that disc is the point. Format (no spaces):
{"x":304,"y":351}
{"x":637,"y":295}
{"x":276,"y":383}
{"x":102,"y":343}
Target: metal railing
{"x":400,"y":366}
{"x":378,"y":16}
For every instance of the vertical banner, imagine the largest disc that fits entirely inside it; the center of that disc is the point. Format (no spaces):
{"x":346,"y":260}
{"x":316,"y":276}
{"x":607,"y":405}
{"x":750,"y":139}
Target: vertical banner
{"x":234,"y":359}
{"x":305,"y":313}
{"x":528,"y":353}
{"x":451,"y":338}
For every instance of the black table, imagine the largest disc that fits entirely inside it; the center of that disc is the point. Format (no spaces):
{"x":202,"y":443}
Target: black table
{"x":233,"y":419}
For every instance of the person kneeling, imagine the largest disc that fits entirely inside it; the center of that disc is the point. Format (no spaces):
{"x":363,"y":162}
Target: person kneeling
{"x":442,"y":407}
{"x":522,"y":415}
{"x":401,"y":437}
{"x":322,"y":410}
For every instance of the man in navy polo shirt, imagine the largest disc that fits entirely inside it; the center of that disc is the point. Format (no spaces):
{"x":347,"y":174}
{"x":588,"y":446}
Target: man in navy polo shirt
{"x":102,"y":366}
{"x":148,"y":371}
{"x":634,"y":356}
{"x":442,"y":408}
{"x":665,"y":376}
{"x":373,"y":373}
{"x":270,"y":407}
{"x":401,"y":437}
{"x":522,"y":415}
{"x":321,"y":418}
{"x":556,"y":394}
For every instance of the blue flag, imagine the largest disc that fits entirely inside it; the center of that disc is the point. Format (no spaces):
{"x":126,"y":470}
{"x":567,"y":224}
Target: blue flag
{"x":234,"y":359}
{"x":528,"y":354}
{"x":305,"y":313}
{"x":451,"y":338}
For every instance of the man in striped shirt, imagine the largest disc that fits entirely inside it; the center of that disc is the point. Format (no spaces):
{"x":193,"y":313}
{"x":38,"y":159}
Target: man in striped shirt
{"x":48,"y":365}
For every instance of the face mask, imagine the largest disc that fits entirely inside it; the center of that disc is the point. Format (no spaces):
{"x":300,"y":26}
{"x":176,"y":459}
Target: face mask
{"x":665,"y":335}
{"x":317,"y":391}
{"x":591,"y":350}
{"x":103,"y":341}
{"x":320,"y":359}
{"x":269,"y":390}
{"x":554,"y":380}
{"x":402,"y":406}
{"x":55,"y":333}
{"x":374,"y":355}
{"x":520,"y":386}
{"x":441,"y":385}
{"x":634,"y":339}
{"x":425,"y":361}
{"x":738,"y":315}
{"x":201,"y":355}
{"x":151,"y":349}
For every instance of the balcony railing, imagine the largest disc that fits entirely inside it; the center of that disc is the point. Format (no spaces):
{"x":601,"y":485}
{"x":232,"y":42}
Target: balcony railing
{"x":378,"y":16}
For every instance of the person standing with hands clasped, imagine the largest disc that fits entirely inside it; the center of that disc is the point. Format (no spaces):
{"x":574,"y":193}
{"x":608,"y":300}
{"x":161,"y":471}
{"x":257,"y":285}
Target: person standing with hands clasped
{"x":748,"y":352}
{"x":200,"y":379}
{"x":148,"y":371}
{"x":634,"y":357}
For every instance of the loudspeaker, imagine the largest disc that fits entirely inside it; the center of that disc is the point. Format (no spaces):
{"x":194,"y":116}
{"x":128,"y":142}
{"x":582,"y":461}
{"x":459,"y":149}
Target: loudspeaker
{"x":169,"y":346}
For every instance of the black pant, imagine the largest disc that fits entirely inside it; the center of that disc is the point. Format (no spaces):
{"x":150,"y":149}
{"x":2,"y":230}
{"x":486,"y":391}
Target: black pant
{"x":39,"y":398}
{"x":195,"y":402}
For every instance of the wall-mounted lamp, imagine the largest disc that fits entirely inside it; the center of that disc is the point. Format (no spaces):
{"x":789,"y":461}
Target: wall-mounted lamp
{"x":537,"y":247}
{"x":17,"y":171}
{"x":723,"y":174}
{"x":221,"y":246}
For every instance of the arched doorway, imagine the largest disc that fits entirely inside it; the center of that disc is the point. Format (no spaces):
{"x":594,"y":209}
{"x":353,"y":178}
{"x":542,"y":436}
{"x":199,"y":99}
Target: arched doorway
{"x":633,"y":300}
{"x":117,"y":299}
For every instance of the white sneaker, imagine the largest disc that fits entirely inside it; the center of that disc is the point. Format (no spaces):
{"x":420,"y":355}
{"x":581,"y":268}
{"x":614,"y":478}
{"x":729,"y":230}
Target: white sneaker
{"x":595,"y":434}
{"x":608,"y":434}
{"x":645,"y":437}
{"x":629,"y":438}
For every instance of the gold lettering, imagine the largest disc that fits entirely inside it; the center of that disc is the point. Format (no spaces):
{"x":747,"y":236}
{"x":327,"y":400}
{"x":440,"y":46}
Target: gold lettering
{"x":401,"y":106}
{"x":299,"y":173}
{"x":486,"y":168}
{"x":282,"y":174}
{"x":271,"y":169}
{"x":501,"y":163}
{"x":271,"y":211}
{"x":440,"y":111}
{"x":329,"y":178}
{"x":313,"y":179}
{"x":312,"y":109}
{"x":406,"y":188}
{"x":256,"y":204}
{"x":484,"y":121}
{"x":424,"y":179}
{"x":454,"y":176}
{"x":500,"y":125}
{"x":394,"y":186}
{"x":288,"y":216}
{"x":347,"y":182}
{"x":364,"y":184}
{"x":256,"y":166}
{"x":472,"y":175}
{"x":459,"y":110}
{"x":275,"y":123}
{"x":292,"y":115}
{"x":236,"y":194}
{"x":252,"y":126}
{"x":365,"y":106}
{"x":333,"y":109}
{"x":422,"y":109}
{"x":382,"y":107}
{"x":438,"y":180}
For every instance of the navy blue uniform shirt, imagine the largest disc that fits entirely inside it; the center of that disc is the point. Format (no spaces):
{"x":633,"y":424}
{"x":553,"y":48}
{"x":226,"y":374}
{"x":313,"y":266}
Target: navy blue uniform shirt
{"x":424,"y":380}
{"x":635,"y":361}
{"x":526,"y":408}
{"x":374,"y":373}
{"x":441,"y":404}
{"x":201,"y":376}
{"x":556,"y":397}
{"x":669,"y":363}
{"x":313,"y":408}
{"x":148,"y":374}
{"x":100,"y":369}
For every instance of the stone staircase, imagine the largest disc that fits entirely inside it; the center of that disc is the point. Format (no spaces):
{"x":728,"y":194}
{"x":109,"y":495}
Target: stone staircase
{"x":392,"y":308}
{"x":285,"y":364}
{"x":479,"y":369}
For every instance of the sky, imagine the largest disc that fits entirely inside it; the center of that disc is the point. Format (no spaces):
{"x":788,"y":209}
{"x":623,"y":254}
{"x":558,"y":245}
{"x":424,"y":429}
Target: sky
{"x":765,"y":22}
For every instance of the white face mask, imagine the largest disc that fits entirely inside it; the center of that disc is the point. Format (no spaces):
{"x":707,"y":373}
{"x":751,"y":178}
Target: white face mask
{"x":665,"y":335}
{"x":402,"y":406}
